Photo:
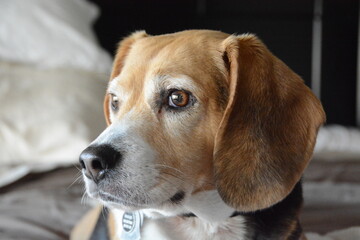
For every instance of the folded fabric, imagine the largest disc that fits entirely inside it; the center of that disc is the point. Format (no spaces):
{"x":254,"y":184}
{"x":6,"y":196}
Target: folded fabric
{"x":352,"y":233}
{"x":47,"y":117}
{"x":51,"y":34}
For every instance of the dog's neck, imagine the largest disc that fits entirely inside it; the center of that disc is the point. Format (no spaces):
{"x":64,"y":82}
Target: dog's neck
{"x":185,"y":227}
{"x":210,"y":218}
{"x":215,"y":220}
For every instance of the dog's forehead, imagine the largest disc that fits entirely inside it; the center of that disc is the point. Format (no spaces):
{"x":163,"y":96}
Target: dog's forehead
{"x":177,"y":44}
{"x":188,"y":53}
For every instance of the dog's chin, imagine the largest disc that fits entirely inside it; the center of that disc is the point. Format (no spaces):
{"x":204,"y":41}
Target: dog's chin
{"x":120,"y":197}
{"x":112,"y":201}
{"x":115,"y":202}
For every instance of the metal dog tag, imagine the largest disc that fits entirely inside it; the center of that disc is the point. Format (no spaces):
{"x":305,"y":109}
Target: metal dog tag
{"x":131,"y":224}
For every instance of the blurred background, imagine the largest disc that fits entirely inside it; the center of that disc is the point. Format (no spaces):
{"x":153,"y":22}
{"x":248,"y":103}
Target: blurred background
{"x":55,"y":61}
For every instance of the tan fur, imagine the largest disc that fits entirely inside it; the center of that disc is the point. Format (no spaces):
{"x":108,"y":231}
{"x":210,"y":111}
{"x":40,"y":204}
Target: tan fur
{"x":205,"y":66}
{"x":84,"y":228}
{"x":112,"y":227}
{"x":123,"y":49}
{"x":253,"y":130}
{"x":267,"y":132}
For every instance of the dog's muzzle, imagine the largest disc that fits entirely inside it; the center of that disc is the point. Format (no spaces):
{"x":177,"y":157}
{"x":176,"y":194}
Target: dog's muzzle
{"x":97,"y":160}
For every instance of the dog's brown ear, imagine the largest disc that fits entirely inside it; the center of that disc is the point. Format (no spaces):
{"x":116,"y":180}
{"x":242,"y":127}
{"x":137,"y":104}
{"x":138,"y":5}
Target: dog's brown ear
{"x":268,"y":131}
{"x":120,"y":57}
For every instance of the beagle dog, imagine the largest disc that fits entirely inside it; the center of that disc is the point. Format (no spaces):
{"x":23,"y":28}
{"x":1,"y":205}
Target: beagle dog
{"x":208,"y":136}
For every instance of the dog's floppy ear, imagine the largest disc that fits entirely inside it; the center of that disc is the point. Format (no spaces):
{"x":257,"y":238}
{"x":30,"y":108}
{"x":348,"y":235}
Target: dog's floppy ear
{"x":122,"y":51}
{"x":268,"y":131}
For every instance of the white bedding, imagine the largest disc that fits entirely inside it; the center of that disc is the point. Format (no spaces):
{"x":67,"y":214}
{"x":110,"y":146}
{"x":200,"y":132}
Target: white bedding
{"x":352,"y":233}
{"x":51,"y":34}
{"x":336,"y":142}
{"x":47,"y":117}
{"x":53,"y":77}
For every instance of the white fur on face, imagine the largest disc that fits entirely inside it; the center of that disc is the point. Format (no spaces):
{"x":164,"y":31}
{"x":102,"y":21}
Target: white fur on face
{"x":215,"y":210}
{"x":114,"y":89}
{"x":128,"y":183}
{"x":178,"y":125}
{"x":137,"y":182}
{"x":169,"y":82}
{"x":132,"y":184}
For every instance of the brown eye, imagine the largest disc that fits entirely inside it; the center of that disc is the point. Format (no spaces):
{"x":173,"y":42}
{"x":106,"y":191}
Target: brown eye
{"x":114,"y":102}
{"x":178,"y":98}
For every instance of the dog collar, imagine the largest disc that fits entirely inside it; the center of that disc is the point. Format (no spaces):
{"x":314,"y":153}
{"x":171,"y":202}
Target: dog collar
{"x":132,"y":222}
{"x":131,"y":225}
{"x":234,"y":214}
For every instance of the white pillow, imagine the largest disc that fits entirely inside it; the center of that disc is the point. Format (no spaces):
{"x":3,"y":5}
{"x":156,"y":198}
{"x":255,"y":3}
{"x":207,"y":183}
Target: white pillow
{"x":51,"y":34}
{"x":337,"y":143}
{"x":48,"y":116}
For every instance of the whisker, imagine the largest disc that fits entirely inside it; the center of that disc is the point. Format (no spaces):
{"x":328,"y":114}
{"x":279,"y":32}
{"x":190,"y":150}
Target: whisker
{"x":77,"y":167}
{"x":83,"y":198}
{"x":123,"y":200}
{"x":162,"y":166}
{"x":77,"y":180}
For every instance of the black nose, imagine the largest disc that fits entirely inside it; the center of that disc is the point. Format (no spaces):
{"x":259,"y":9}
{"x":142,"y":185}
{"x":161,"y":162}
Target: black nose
{"x":96,"y":160}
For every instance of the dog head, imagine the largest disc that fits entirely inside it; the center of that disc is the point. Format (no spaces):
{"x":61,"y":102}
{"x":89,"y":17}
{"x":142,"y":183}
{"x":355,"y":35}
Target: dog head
{"x":196,"y":111}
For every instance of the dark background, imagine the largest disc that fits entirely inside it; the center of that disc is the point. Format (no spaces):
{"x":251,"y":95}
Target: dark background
{"x":284,"y":25}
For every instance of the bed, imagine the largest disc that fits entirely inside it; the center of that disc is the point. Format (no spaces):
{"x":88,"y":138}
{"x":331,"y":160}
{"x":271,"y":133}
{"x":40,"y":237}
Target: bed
{"x":53,"y":75}
{"x":47,"y":205}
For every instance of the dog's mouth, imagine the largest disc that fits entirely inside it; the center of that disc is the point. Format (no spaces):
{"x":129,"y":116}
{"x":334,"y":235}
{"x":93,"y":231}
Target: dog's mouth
{"x":113,"y":201}
{"x":117,"y":197}
{"x":123,"y":203}
{"x":127,"y":199}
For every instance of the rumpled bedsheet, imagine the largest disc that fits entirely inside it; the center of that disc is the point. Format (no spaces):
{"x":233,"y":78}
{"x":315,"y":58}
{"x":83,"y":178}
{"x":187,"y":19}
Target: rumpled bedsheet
{"x":47,"y":205}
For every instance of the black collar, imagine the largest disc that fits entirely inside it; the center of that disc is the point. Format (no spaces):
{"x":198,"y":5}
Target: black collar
{"x":186,"y":215}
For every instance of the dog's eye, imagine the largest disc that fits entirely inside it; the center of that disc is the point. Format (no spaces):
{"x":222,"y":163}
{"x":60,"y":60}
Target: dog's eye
{"x":178,"y":98}
{"x":114,"y":102}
